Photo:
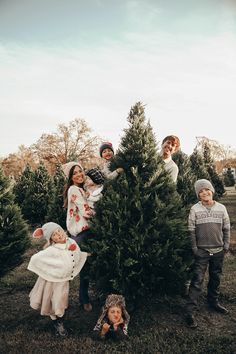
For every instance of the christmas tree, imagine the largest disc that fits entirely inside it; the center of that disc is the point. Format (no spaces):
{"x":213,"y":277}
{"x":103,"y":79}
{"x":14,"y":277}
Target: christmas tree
{"x":39,"y":192}
{"x":21,"y":190}
{"x":186,"y":179}
{"x":141,"y":240}
{"x":14,"y":238}
{"x":56,"y":212}
{"x":214,"y":177}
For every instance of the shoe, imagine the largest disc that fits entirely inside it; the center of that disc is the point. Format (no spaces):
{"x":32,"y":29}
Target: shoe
{"x":60,"y":329}
{"x":87,"y":307}
{"x":191,"y":322}
{"x":219,"y":308}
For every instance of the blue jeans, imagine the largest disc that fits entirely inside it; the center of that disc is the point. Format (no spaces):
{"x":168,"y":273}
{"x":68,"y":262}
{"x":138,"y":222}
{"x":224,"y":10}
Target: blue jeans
{"x":84,"y":283}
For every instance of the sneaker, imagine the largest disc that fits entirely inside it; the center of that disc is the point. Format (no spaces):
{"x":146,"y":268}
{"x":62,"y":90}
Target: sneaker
{"x":60,"y":329}
{"x":87,"y":307}
{"x":219,"y":308}
{"x":191,"y":322}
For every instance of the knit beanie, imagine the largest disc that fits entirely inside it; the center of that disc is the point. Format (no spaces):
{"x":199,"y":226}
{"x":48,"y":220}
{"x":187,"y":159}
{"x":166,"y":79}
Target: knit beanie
{"x":68,"y":166}
{"x":96,"y":175}
{"x":105,"y":145}
{"x":203,"y":184}
{"x":46,"y":230}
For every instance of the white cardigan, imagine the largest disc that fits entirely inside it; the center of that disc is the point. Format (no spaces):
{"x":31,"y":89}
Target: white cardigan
{"x":57,"y":263}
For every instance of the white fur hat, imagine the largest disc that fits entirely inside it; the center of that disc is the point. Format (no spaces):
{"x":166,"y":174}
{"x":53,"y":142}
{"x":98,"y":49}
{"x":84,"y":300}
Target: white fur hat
{"x":46,"y":230}
{"x":68,"y":166}
{"x":203,"y":184}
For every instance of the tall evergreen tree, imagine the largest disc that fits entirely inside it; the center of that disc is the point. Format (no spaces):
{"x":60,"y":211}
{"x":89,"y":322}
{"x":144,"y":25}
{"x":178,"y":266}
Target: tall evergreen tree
{"x":210,"y":167}
{"x":56,"y":212}
{"x":140,"y":227}
{"x":198,"y":165}
{"x":39,"y":192}
{"x":186,"y":179}
{"x":21,"y":187}
{"x":14,"y":238}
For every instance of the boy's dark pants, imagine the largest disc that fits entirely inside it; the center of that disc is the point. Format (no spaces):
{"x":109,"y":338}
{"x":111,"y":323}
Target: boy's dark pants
{"x":215,"y":265}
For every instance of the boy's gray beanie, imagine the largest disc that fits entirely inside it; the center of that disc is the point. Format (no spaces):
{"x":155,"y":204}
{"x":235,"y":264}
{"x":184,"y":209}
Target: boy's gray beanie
{"x":203,"y":184}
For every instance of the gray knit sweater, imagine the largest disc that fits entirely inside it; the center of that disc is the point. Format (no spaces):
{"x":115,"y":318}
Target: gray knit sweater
{"x":209,"y":228}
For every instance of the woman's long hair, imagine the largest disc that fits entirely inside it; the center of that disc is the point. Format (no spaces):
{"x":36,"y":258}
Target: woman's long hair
{"x":68,"y":184}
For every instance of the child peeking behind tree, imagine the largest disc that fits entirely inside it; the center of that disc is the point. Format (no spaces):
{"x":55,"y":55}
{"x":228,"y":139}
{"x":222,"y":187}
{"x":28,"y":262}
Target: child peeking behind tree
{"x":107,"y":152}
{"x":114,"y":319}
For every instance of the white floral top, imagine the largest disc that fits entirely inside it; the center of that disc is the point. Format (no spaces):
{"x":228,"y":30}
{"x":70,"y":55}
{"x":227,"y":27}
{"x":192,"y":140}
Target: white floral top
{"x":78,"y":211}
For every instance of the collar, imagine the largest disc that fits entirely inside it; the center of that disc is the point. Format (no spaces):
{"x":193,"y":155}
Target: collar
{"x":168,"y":159}
{"x":62,"y":246}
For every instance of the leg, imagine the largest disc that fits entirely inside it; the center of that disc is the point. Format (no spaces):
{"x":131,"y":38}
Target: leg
{"x":199,"y":270}
{"x":215,"y":270}
{"x":58,"y":324}
{"x":84,"y":282}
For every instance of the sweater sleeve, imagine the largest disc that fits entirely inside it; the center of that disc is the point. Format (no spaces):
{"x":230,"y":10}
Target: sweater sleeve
{"x":76,"y":196}
{"x":192,"y":229}
{"x":226,"y":229}
{"x":108,"y":173}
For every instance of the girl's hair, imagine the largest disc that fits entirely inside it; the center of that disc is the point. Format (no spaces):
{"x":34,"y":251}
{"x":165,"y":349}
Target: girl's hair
{"x":68,"y":184}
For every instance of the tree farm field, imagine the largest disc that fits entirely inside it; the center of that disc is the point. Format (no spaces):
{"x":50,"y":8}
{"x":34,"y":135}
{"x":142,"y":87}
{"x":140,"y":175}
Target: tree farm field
{"x":158,"y":326}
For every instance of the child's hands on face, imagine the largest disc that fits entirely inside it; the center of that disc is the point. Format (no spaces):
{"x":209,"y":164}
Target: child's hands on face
{"x":116,"y":325}
{"x":115,"y":316}
{"x":105,"y":329}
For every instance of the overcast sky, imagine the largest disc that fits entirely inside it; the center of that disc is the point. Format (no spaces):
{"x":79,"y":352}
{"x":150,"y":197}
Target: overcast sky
{"x":94,"y":59}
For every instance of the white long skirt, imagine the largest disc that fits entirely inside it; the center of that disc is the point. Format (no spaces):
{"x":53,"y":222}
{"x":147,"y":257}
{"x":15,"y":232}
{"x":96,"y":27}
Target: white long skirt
{"x":51,"y":298}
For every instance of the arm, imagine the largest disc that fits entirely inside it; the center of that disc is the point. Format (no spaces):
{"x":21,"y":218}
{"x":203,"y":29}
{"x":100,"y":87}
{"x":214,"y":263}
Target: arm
{"x":192,"y":230}
{"x":77,"y":197}
{"x":226,"y":230}
{"x":111,"y":174}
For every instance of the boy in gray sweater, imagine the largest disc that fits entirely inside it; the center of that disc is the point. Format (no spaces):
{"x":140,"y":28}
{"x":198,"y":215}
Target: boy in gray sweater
{"x":209,"y":228}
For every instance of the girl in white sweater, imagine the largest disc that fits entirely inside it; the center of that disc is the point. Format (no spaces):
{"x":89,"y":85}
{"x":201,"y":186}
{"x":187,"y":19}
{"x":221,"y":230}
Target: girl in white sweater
{"x":55,"y":265}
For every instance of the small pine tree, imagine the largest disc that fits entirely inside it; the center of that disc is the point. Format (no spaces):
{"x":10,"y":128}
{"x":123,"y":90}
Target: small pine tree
{"x":186,"y":179}
{"x":37,"y":198}
{"x":21,"y":187}
{"x":228,"y":176}
{"x":56,"y":212}
{"x":14,"y":238}
{"x":198,"y":166}
{"x":141,"y":239}
{"x":213,"y":176}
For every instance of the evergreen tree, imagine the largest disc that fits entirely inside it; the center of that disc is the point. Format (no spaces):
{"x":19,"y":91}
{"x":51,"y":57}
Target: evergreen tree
{"x":186,"y":179}
{"x":141,"y":240}
{"x":198,"y":166}
{"x":56,"y":212}
{"x":21,"y":187}
{"x":14,"y":238}
{"x":213,"y":176}
{"x":39,"y":192}
{"x":228,"y":176}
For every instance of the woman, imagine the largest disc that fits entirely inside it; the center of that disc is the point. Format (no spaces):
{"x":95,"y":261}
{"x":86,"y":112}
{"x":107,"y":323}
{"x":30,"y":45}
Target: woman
{"x":78,"y":214}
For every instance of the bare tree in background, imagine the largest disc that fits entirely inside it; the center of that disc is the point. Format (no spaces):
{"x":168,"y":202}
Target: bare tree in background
{"x":218,"y":151}
{"x":14,"y":164}
{"x":71,"y":142}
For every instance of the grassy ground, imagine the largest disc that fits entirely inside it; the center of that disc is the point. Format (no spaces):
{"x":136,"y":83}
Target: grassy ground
{"x":157,"y":327}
